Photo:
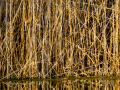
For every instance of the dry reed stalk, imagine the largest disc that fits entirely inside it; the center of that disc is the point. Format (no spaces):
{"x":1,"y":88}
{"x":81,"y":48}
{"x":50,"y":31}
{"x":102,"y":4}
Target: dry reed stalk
{"x":7,"y":48}
{"x":104,"y":39}
{"x":22,"y":36}
{"x":11,"y":33}
{"x":116,"y":41}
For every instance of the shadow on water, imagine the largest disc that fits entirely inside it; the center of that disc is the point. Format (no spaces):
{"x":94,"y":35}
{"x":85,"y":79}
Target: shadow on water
{"x":76,"y":84}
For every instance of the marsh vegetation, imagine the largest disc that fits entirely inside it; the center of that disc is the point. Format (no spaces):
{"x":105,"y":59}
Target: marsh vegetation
{"x":32,"y":38}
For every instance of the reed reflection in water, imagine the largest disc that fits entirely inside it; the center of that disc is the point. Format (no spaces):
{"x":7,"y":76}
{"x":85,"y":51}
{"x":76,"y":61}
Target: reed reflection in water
{"x":62,"y":85}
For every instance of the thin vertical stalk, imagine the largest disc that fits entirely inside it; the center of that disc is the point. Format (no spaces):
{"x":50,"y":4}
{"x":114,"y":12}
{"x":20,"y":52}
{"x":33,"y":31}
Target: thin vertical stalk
{"x":49,"y":36}
{"x":116,"y":41}
{"x":43,"y":47}
{"x":30,"y":41}
{"x":33,"y":38}
{"x":113,"y":27}
{"x":104,"y":39}
{"x":11,"y":33}
{"x":94,"y":25}
{"x":7,"y":38}
{"x":71,"y":47}
{"x":22,"y":37}
{"x":60,"y":32}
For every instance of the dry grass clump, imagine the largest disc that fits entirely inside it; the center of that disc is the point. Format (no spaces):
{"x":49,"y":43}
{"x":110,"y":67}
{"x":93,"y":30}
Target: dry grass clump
{"x":32,"y":38}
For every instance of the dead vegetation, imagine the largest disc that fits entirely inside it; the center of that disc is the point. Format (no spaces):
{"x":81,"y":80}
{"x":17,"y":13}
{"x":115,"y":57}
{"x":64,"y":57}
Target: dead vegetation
{"x":32,"y":38}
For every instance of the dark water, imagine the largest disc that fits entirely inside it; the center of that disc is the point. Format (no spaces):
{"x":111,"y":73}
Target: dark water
{"x":62,"y":85}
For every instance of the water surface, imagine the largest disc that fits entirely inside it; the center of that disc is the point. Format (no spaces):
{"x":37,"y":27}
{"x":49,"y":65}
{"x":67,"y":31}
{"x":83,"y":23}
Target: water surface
{"x":77,"y":84}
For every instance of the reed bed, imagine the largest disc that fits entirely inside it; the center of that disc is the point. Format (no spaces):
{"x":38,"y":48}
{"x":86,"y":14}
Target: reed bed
{"x":32,"y":38}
